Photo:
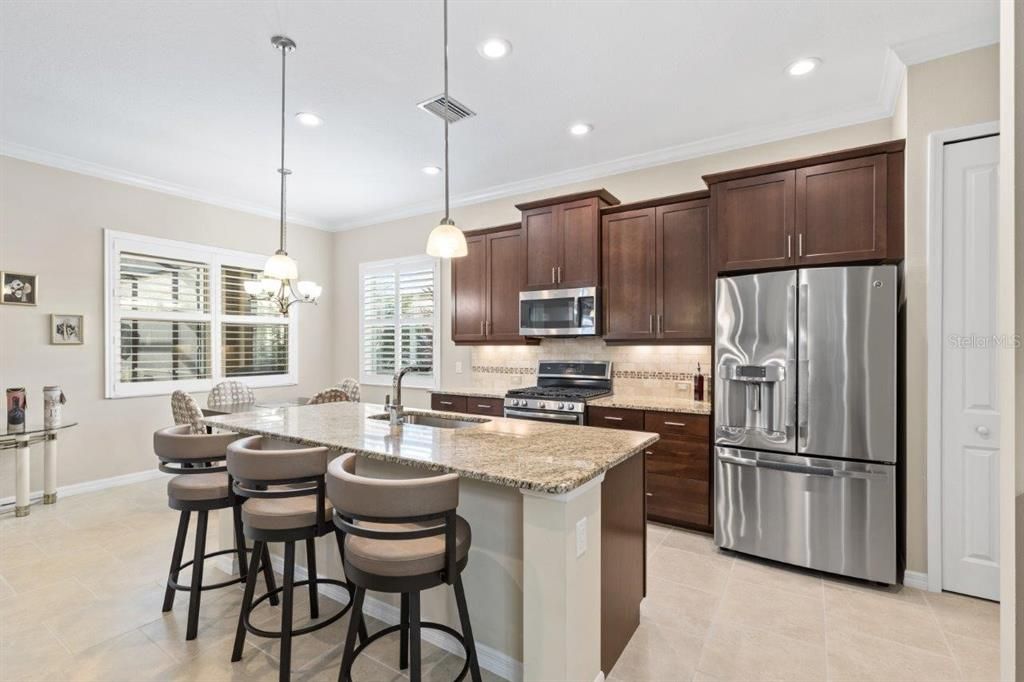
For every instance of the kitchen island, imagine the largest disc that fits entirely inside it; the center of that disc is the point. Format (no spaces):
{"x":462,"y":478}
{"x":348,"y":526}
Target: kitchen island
{"x":556,"y":570}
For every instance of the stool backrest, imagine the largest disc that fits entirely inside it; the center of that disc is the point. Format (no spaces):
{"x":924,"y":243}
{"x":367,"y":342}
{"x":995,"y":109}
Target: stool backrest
{"x":329,"y":395}
{"x":230,"y":393}
{"x":429,"y":502}
{"x":350,"y":387}
{"x":194,"y":453}
{"x":187,"y":411}
{"x":260,"y":471}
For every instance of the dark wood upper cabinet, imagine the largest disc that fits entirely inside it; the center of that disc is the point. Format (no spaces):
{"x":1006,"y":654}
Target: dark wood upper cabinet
{"x":684,"y":276}
{"x":486,"y":285}
{"x":630,"y":289}
{"x":754,"y":221}
{"x":832,"y":209}
{"x":562,"y":240}
{"x":841,"y":211}
{"x":656,"y":271}
{"x":469,"y":292}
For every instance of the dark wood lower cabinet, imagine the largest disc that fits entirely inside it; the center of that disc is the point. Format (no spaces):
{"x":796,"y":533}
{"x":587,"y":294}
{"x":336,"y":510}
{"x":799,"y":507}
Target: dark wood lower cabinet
{"x":494,"y":407}
{"x":448,"y":403}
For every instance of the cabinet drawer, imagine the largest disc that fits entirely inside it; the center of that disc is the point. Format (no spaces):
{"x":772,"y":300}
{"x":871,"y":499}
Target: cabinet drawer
{"x":448,"y":403}
{"x":494,"y":407}
{"x":615,"y":418}
{"x":680,"y":458}
{"x":678,"y":500}
{"x":678,"y":425}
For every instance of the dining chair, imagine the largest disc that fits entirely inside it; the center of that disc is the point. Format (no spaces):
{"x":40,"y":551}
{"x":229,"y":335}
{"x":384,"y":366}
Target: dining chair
{"x":351,"y":388}
{"x":187,"y":411}
{"x":230,"y":393}
{"x":329,"y":395}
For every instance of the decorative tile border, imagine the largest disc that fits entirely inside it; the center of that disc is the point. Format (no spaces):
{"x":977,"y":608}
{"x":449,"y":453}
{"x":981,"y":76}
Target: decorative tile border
{"x":649,"y":375}
{"x":497,"y":369}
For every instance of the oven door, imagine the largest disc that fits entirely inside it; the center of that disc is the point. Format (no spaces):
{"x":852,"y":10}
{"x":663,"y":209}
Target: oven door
{"x":549,"y":417}
{"x":558,"y":312}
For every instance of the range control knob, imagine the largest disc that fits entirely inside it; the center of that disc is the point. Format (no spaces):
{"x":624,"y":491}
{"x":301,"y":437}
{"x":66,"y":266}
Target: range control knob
{"x":542,"y":405}
{"x":561,"y":406}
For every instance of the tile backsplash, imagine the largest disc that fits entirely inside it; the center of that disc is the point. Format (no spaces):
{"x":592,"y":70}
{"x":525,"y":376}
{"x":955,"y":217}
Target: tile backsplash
{"x":651,"y":370}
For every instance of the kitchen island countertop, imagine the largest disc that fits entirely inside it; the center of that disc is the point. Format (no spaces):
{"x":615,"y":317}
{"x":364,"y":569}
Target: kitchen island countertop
{"x":547,"y":458}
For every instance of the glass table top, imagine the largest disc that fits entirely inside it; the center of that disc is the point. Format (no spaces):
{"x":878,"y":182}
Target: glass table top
{"x":11,"y":431}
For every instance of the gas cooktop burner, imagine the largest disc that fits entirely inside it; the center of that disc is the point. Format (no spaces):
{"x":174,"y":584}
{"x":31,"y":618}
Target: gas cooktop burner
{"x":556,"y":392}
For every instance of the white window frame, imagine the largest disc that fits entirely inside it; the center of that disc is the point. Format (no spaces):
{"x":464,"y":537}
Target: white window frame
{"x":114,"y":243}
{"x":395,"y":266}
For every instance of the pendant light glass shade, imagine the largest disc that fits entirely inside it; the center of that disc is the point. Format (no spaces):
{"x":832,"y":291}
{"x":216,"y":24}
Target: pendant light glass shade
{"x":447,"y":241}
{"x":281,"y":266}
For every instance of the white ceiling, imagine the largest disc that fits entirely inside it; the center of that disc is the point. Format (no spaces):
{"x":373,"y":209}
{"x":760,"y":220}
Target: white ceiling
{"x":183,"y":96}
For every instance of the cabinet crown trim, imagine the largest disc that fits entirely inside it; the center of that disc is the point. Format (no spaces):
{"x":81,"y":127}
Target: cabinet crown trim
{"x":657,"y":201}
{"x":891,"y":147}
{"x":491,"y":230}
{"x":604,"y":195}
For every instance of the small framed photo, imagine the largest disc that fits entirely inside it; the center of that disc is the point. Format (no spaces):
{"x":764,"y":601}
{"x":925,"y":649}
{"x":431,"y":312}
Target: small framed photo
{"x":19,"y":288}
{"x":67,"y":330}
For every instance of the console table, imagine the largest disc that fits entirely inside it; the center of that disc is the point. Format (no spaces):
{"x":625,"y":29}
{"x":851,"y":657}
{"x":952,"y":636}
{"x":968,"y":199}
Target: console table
{"x":21,"y":438}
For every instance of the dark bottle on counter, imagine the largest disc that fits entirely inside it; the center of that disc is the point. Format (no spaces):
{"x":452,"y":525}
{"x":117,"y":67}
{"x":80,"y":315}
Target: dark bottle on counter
{"x":698,"y":385}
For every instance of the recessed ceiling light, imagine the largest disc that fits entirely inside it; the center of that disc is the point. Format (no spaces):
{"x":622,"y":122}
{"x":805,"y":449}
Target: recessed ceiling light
{"x":580,"y":129}
{"x":431,"y":170}
{"x":494,"y":48}
{"x":802,"y":67}
{"x":310,"y":119}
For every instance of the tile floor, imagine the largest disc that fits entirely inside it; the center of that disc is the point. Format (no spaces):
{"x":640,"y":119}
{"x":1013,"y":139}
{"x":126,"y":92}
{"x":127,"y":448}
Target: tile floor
{"x":81,"y":584}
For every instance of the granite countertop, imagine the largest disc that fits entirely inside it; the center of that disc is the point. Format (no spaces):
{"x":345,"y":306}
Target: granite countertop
{"x":473,"y":393}
{"x":652,"y":403}
{"x":550,"y":458}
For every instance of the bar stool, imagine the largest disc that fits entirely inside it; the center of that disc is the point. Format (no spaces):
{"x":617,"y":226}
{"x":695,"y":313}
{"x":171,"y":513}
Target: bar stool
{"x":287,"y":503}
{"x":402,"y":536}
{"x":200,"y":486}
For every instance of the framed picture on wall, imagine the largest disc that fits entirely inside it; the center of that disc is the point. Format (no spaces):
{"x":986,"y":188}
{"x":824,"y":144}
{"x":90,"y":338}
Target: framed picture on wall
{"x":67,"y":330}
{"x":19,"y":288}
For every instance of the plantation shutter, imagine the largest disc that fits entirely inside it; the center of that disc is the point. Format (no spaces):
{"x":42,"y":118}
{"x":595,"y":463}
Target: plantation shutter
{"x":254,"y":334}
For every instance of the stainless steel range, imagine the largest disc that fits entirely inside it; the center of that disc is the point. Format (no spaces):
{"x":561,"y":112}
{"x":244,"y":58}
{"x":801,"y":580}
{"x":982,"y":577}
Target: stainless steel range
{"x":562,"y":391}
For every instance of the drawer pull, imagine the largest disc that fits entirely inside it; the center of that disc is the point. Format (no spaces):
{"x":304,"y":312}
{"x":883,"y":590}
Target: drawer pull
{"x":649,"y":494}
{"x":614,"y":419}
{"x":679,"y":424}
{"x":446,"y":402}
{"x":486,"y":407}
{"x":648,"y":452}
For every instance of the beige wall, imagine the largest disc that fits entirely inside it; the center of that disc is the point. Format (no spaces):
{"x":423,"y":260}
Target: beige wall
{"x":957,"y":90}
{"x":408,"y":236}
{"x":51,"y":224}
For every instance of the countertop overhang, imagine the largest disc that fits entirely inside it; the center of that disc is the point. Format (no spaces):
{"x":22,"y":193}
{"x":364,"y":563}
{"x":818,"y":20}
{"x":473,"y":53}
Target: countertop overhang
{"x":549,"y":458}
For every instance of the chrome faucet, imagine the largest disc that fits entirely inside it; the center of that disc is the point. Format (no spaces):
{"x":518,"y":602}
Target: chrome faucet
{"x":395,"y":408}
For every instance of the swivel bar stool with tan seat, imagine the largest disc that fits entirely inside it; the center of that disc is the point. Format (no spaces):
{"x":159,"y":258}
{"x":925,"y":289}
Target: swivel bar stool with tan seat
{"x":402,"y":536}
{"x":287,"y":502}
{"x":201,"y":485}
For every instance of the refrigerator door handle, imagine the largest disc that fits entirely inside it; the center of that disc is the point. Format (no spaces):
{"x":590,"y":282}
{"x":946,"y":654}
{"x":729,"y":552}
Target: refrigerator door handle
{"x":803,"y":367}
{"x":778,"y":466}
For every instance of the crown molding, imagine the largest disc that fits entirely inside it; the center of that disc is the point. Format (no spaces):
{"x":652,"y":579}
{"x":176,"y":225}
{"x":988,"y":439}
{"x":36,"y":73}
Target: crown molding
{"x":894,"y":71}
{"x":967,"y":37}
{"x":76,"y":165}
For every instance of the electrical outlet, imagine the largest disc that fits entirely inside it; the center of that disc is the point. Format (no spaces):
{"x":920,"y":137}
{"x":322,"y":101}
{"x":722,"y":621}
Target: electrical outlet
{"x":517,"y":381}
{"x":458,"y":366}
{"x":581,"y":536}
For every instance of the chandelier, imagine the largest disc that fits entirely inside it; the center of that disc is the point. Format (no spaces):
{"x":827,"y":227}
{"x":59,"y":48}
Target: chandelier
{"x":280,"y":282}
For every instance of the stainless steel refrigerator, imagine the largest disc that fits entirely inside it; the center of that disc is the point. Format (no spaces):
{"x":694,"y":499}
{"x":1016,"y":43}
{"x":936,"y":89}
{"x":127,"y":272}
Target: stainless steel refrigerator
{"x":805,"y":418}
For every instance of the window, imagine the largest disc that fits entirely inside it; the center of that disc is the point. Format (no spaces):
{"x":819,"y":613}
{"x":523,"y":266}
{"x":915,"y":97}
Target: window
{"x":178,"y":317}
{"x":398,"y":320}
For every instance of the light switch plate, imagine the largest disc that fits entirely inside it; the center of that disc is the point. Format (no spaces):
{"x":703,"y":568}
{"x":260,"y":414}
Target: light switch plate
{"x":581,"y":536}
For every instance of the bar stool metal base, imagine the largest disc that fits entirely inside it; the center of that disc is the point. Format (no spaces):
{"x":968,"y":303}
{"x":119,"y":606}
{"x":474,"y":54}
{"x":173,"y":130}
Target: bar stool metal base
{"x":403,"y":627}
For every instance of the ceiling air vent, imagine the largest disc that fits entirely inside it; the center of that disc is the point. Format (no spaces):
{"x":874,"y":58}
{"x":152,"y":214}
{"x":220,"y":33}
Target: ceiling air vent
{"x":456,"y":110}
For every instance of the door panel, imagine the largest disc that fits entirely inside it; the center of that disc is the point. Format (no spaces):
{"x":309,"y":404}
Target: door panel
{"x":755,"y":222}
{"x":630,"y":266}
{"x":506,"y":278}
{"x":684,"y":277}
{"x":540,"y":246}
{"x":841,"y":211}
{"x":847,"y":362}
{"x":579,"y":246}
{"x":469,"y":292}
{"x":825,"y":514}
{"x":970,"y":371}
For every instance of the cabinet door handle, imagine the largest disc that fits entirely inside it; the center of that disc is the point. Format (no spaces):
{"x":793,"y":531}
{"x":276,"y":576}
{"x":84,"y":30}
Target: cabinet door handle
{"x":648,"y":452}
{"x":680,"y":424}
{"x":482,"y":332}
{"x":552,"y":274}
{"x":487,"y":327}
{"x":650,"y":325}
{"x":789,"y":246}
{"x":800,"y":244}
{"x":614,"y":419}
{"x":661,"y":323}
{"x":559,"y":274}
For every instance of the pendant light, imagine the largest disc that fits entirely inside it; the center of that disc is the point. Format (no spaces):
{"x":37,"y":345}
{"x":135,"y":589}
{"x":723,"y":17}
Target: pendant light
{"x":280,"y":274}
{"x":446,"y":240}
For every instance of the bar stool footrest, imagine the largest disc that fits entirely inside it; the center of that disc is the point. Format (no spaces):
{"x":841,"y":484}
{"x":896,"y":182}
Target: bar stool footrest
{"x":313,"y":627}
{"x":423,"y":624}
{"x":188,"y":588}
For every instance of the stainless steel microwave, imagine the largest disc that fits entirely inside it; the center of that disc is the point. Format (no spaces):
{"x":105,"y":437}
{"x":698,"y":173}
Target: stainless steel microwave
{"x":558,"y":312}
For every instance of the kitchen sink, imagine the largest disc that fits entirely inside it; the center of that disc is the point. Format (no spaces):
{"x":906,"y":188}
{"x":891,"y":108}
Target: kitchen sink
{"x":433,"y":420}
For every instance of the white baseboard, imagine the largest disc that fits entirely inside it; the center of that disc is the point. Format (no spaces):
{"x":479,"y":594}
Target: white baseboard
{"x":915,"y":579}
{"x":490,"y":659}
{"x":91,"y":486}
